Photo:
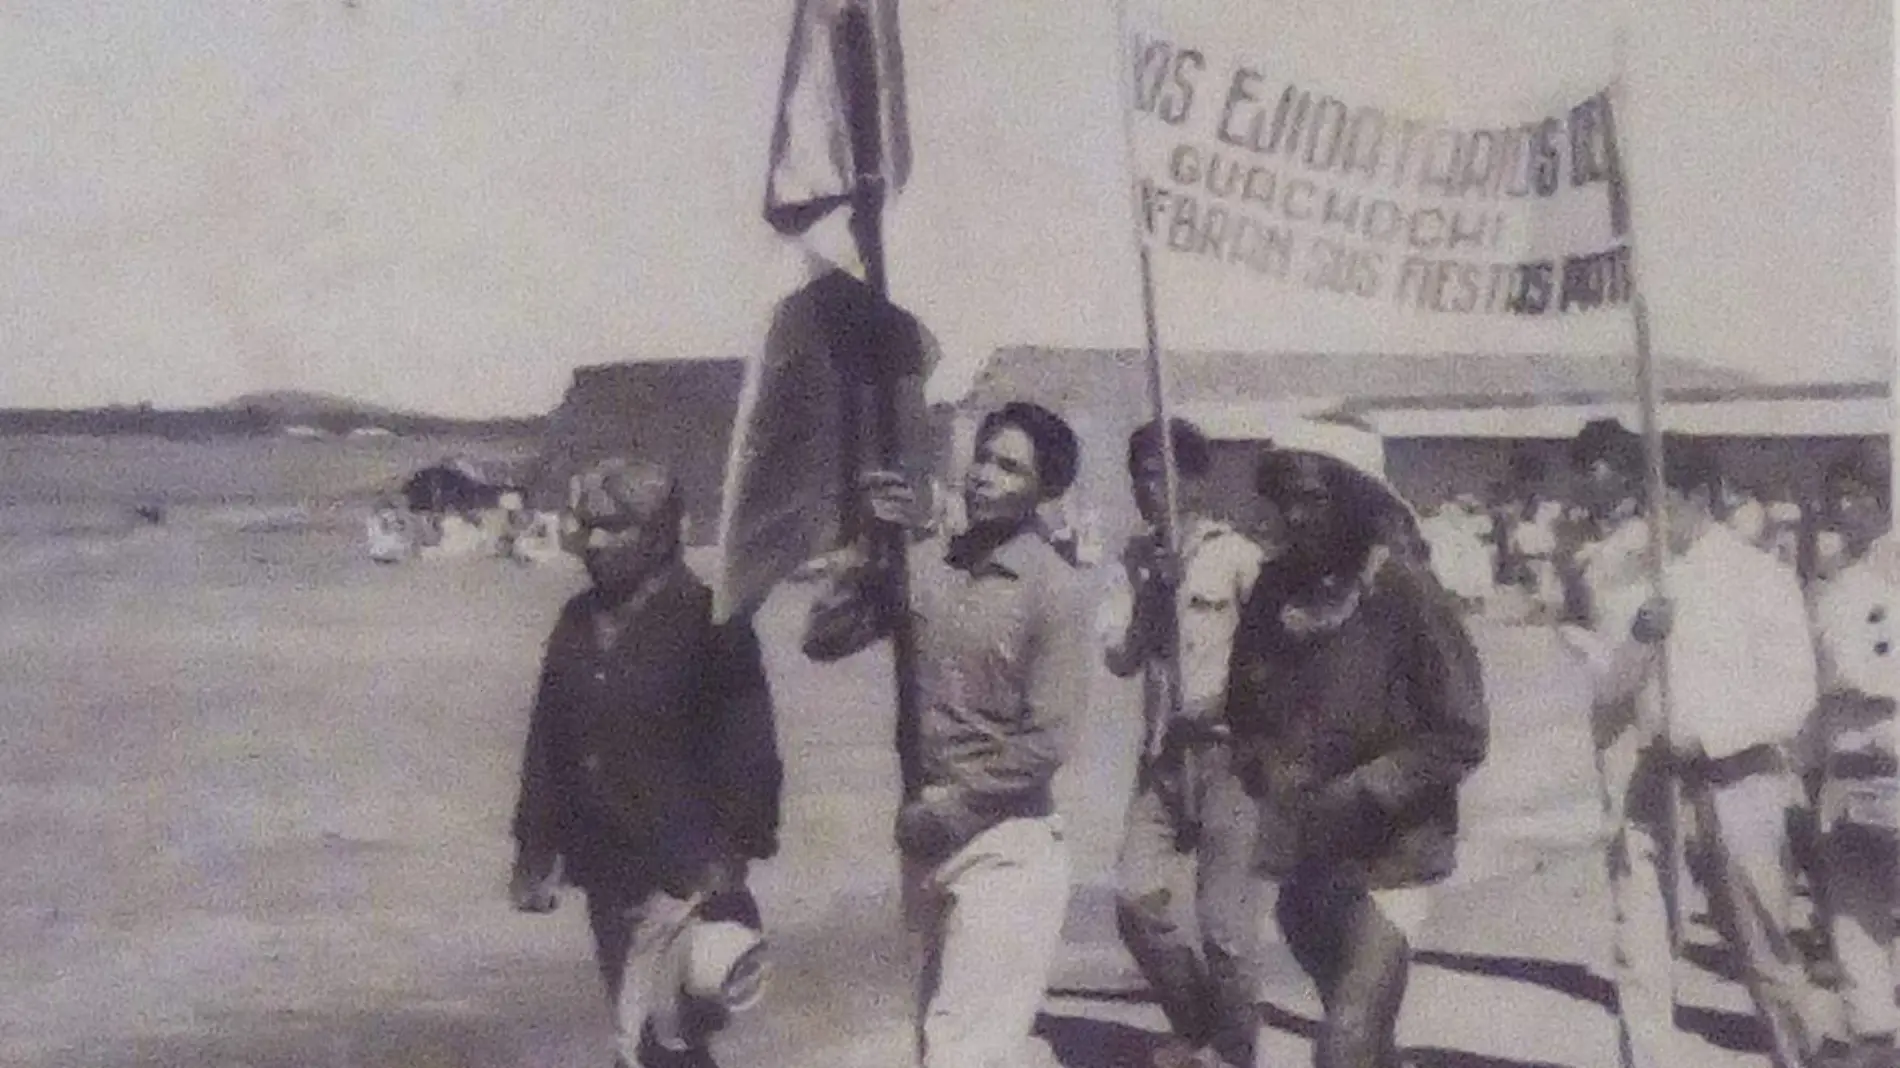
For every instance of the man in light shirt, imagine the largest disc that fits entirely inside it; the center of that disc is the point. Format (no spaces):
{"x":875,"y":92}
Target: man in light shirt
{"x":1741,"y":680}
{"x":1187,"y":798}
{"x":1850,"y":753}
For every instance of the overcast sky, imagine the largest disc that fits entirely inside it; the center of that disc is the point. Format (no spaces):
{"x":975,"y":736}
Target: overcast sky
{"x":448,"y":204}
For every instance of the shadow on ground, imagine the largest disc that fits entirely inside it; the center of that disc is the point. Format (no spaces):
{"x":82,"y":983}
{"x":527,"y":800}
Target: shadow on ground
{"x":1080,"y":1042}
{"x":539,"y":1015}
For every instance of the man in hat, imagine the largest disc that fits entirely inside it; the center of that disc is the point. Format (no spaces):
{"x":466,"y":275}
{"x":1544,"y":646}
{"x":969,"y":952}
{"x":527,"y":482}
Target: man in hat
{"x":651,"y":775}
{"x":1357,"y":703}
{"x":1187,"y":798}
{"x":1003,"y":658}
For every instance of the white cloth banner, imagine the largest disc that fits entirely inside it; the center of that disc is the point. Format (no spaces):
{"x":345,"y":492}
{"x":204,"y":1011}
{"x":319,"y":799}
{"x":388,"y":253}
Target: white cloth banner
{"x":1399,"y":181}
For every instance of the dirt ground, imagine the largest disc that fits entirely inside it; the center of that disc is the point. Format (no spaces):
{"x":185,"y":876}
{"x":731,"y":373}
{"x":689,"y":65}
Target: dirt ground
{"x":256,"y":793}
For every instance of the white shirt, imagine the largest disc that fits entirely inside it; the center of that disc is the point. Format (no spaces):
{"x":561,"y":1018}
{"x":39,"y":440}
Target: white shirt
{"x":1537,"y":536}
{"x":1741,"y":656}
{"x":1742,"y":669}
{"x":1219,"y":566}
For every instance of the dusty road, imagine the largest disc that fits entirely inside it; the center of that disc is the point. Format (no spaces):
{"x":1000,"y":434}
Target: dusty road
{"x":255,"y":793}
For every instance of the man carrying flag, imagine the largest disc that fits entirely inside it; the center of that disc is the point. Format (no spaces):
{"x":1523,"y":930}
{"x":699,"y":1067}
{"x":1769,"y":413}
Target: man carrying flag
{"x":1003,"y":665}
{"x":1188,"y":798}
{"x":1742,"y":673}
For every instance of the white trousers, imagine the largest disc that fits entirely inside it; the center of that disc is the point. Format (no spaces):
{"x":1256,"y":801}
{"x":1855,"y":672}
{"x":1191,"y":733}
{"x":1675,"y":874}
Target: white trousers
{"x":639,"y":943}
{"x":986,"y":924}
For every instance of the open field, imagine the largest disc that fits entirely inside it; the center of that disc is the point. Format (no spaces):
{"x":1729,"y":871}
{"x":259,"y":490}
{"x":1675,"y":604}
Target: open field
{"x":256,"y":793}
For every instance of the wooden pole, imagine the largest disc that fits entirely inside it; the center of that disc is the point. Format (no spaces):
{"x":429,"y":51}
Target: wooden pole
{"x":856,"y":61}
{"x":1153,"y":356}
{"x":1655,"y":489}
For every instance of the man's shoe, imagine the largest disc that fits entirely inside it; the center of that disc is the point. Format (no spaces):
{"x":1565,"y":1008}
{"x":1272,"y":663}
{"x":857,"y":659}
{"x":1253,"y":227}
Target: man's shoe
{"x":653,"y":1055}
{"x":1180,"y":1053}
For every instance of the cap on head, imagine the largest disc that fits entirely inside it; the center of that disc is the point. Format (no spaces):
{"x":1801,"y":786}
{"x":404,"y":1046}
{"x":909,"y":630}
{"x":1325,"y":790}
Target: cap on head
{"x":620,"y":490}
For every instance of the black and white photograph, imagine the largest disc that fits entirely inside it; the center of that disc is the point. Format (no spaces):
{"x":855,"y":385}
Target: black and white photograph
{"x":949,"y":534}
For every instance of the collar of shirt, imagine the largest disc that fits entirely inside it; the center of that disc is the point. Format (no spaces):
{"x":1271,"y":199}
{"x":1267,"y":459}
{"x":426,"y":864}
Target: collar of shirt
{"x":611,"y":621}
{"x":1013,"y":559}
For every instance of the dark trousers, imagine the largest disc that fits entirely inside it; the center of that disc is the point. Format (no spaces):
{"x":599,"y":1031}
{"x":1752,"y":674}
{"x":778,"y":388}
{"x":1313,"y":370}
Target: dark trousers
{"x":1189,"y":801}
{"x":1357,"y":957}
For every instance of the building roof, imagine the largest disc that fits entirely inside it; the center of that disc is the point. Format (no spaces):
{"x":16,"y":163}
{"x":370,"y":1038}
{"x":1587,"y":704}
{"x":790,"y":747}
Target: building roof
{"x":679,"y":412}
{"x":1782,"y":417}
{"x":1106,"y":378}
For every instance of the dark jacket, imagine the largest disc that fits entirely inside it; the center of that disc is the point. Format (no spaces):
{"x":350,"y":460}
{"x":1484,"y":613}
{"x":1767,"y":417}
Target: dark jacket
{"x":646,"y":758}
{"x":1356,"y":738}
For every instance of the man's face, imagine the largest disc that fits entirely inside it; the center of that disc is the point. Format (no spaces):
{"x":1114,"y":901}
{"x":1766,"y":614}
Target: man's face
{"x":1305,"y":508}
{"x":622,"y":551}
{"x":1689,"y":515}
{"x":1150,"y":477}
{"x":1002,"y":485}
{"x":1605,"y":488}
{"x":1857,"y":514}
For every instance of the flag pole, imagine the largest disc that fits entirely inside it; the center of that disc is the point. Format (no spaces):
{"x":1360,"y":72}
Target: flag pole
{"x":1153,"y":357}
{"x":858,"y":82}
{"x":1655,"y":483}
{"x":1785,"y":1051}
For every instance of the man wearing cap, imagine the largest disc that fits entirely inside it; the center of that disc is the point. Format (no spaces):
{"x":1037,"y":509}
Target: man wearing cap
{"x":1003,"y":657}
{"x":1187,"y":797}
{"x":651,"y":775}
{"x":1357,"y":704}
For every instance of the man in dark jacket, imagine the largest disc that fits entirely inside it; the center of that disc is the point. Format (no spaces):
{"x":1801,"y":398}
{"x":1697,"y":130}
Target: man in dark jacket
{"x":652,"y":774}
{"x":1357,"y":700}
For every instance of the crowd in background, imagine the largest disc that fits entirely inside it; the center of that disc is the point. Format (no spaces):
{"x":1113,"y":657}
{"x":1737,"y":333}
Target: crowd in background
{"x":1502,"y":553}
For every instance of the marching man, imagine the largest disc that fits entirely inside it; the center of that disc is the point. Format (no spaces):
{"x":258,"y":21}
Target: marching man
{"x":651,"y":775}
{"x":1188,"y":798}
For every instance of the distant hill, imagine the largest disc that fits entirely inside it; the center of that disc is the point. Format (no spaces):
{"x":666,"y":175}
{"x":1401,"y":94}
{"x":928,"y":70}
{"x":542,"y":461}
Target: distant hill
{"x":261,"y":415}
{"x":291,"y":404}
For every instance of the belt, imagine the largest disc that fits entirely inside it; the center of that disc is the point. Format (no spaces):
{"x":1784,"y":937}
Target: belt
{"x":1760,"y":759}
{"x":1861,"y":765}
{"x":1197,"y":732}
{"x":1035,"y":804}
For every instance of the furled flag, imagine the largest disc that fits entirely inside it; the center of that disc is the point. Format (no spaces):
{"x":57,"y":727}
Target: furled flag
{"x":841,"y":371}
{"x":814,"y":169}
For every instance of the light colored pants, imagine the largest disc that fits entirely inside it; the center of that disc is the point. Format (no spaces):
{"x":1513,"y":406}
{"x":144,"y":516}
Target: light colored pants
{"x":986,"y":924}
{"x":1210,"y":992}
{"x":1753,"y":896}
{"x":639,"y":944}
{"x":1635,"y":792}
{"x":1861,"y":884}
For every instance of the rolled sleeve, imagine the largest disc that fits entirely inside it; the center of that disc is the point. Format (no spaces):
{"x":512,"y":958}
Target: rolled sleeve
{"x":854,"y":610}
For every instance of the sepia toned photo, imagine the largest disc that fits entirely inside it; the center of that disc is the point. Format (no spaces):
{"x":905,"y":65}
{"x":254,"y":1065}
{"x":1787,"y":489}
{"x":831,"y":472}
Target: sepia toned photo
{"x":948,"y":533}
